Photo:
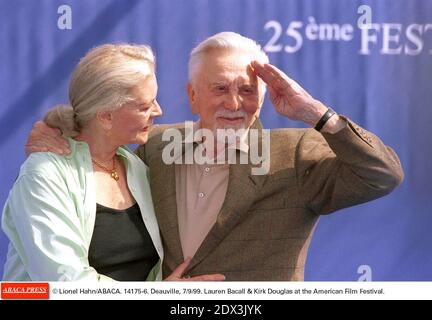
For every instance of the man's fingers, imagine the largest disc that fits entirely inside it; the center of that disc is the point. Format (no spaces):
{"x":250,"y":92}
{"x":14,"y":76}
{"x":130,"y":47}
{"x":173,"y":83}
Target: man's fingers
{"x":273,"y":95}
{"x":178,"y":272}
{"x":55,"y":143}
{"x":44,"y":138}
{"x":55,"y":131}
{"x":293,"y":85}
{"x":277,"y":72}
{"x":62,"y":142}
{"x":267,"y":76}
{"x":207,"y":277}
{"x":43,"y":128}
{"x":39,"y":124}
{"x":275,"y":78}
{"x":48,"y":143}
{"x":281,"y":76}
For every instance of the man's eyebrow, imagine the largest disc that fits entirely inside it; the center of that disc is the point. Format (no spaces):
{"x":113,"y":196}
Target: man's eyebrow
{"x":218,"y":83}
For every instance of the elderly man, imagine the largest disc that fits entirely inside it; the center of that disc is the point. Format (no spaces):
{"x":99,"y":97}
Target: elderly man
{"x":257,"y":227}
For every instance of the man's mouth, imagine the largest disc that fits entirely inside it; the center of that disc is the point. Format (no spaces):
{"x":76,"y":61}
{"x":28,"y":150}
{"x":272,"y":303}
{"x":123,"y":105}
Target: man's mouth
{"x":231,"y":120}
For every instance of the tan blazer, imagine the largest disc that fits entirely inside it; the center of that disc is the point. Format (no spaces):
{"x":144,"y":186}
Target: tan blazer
{"x":265,"y":226}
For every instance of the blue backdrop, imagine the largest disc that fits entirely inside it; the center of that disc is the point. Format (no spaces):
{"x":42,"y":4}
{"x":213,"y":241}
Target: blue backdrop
{"x":372,"y":63}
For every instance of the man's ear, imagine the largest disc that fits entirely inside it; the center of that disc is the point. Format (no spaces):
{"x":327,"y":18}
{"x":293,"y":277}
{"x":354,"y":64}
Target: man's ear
{"x":105,"y":118}
{"x":192,"y":98}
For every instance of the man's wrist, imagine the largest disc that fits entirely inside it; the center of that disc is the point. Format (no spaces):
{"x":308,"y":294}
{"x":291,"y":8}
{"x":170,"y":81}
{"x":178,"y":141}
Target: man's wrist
{"x":324,"y":118}
{"x":313,"y":113}
{"x":334,"y":125}
{"x":316,"y":111}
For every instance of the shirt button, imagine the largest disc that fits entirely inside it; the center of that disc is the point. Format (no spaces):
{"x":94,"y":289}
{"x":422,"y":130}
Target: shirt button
{"x":207,"y":169}
{"x":201,"y":195}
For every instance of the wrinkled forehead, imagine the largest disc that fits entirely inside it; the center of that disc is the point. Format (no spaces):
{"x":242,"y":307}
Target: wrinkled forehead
{"x":229,"y":63}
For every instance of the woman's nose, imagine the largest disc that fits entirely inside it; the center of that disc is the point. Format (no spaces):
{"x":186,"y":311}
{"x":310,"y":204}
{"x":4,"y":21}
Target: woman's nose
{"x":157,"y":112}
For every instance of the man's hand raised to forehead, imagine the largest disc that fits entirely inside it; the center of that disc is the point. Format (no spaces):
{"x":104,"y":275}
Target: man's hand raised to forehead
{"x":43,"y":138}
{"x":290,"y":99}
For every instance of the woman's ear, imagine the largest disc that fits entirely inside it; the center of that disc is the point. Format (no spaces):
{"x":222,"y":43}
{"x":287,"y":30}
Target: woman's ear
{"x":192,"y":98}
{"x":105,"y":118}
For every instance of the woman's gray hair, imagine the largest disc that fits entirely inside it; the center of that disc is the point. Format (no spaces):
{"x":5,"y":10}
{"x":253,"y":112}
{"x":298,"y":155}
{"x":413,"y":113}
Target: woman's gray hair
{"x":102,"y":81}
{"x":229,"y":41}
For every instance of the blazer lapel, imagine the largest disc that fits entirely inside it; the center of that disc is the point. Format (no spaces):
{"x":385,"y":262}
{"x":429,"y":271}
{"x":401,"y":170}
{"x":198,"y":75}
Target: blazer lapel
{"x":163,"y":186}
{"x":164,"y":194}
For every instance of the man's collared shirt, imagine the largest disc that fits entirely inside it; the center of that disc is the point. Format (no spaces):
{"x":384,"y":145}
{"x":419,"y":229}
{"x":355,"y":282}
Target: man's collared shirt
{"x":200,"y":192}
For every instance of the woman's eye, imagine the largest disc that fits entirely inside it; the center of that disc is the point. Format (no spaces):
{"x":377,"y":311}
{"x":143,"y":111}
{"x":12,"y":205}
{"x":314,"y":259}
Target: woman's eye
{"x":143,"y":108}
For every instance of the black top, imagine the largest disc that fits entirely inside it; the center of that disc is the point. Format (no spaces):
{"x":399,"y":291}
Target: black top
{"x":121,"y":247}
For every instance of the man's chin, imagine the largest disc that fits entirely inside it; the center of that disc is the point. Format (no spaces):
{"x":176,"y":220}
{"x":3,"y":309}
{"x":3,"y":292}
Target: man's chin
{"x":239,"y":126}
{"x":230,"y":132}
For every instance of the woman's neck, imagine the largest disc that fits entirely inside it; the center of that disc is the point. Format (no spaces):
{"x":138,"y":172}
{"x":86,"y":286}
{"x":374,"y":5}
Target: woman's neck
{"x":101,"y":146}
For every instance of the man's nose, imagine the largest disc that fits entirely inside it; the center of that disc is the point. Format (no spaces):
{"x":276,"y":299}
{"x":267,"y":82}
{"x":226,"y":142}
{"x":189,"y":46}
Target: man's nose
{"x":233,"y":101}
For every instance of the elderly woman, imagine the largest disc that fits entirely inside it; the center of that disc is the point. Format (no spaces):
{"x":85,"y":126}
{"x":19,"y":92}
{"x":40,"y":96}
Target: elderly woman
{"x":89,"y":215}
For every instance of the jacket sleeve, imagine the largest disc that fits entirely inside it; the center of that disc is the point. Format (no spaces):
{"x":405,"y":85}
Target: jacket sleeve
{"x":42,"y":224}
{"x":344,"y":169}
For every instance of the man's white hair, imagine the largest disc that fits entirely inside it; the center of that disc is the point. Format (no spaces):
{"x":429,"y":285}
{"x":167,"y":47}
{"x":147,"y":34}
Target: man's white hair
{"x":229,"y":41}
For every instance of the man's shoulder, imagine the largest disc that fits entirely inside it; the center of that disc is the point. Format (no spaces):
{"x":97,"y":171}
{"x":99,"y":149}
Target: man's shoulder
{"x":159,"y":129}
{"x":156,"y":132}
{"x":155,"y":141}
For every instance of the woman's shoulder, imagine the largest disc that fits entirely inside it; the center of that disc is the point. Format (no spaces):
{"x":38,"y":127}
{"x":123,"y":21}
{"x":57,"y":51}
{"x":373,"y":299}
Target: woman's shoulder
{"x":40,"y":161}
{"x":47,"y":164}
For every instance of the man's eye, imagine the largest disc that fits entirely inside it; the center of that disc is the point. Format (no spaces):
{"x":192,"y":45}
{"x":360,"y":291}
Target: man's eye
{"x":221,"y":88}
{"x":248,"y":90}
